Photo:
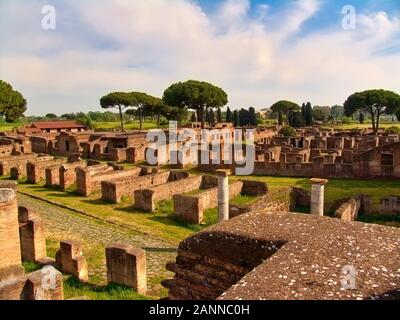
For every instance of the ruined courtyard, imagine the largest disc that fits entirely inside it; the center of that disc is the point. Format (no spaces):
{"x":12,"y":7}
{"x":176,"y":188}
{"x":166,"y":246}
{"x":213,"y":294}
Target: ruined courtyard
{"x":116,"y":227}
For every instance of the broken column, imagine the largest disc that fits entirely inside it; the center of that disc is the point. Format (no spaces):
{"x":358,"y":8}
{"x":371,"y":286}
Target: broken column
{"x":32,"y":237}
{"x":10,"y":251}
{"x":126,"y":265}
{"x":70,"y":259}
{"x":318,"y":196}
{"x":223,"y":194}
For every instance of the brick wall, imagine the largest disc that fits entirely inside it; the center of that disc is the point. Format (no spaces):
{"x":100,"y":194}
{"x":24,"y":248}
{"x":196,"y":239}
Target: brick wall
{"x":191,"y":208}
{"x":145,"y":199}
{"x":10,"y":257}
{"x":89,"y":182}
{"x":113,"y":191}
{"x":36,"y":171}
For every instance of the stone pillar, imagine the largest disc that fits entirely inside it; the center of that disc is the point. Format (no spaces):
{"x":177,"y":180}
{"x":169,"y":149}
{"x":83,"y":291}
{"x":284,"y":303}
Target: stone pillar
{"x":10,"y":249}
{"x":70,"y":259}
{"x":317,"y":196}
{"x":126,"y":265}
{"x":223,"y":194}
{"x":33,"y":241}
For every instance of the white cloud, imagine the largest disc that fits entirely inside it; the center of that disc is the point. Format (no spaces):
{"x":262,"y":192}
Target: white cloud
{"x":258,"y":58}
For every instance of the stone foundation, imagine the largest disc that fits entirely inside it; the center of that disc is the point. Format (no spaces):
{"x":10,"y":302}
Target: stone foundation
{"x":32,"y":237}
{"x":113,"y":191}
{"x":10,"y":257}
{"x":126,"y":265}
{"x":70,"y":259}
{"x":146,"y":199}
{"x":44,"y":284}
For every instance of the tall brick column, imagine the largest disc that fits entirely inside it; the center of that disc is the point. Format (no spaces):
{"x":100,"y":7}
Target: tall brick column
{"x":223,"y":194}
{"x":318,"y":196}
{"x":10,"y":250}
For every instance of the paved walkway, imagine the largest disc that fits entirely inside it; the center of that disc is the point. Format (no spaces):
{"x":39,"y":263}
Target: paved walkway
{"x":65,"y":224}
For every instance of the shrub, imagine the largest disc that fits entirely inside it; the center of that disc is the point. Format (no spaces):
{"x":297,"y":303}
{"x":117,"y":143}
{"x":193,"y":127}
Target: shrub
{"x":288,"y":132}
{"x":392,"y":130}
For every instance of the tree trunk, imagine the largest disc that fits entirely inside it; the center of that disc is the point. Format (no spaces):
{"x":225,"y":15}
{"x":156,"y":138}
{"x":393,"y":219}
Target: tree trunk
{"x":121,"y":118}
{"x":158,"y":121}
{"x":203,"y":123}
{"x":373,"y":121}
{"x":377,"y":122}
{"x":140,"y":119}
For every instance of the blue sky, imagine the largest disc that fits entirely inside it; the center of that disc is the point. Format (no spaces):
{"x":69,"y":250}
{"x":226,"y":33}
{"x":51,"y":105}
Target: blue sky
{"x":258,"y":51}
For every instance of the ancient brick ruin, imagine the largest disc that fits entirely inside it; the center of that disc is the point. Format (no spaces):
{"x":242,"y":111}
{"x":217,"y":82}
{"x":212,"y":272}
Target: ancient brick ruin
{"x":21,"y":237}
{"x":268,"y":257}
{"x":126,"y":265}
{"x":70,"y":259}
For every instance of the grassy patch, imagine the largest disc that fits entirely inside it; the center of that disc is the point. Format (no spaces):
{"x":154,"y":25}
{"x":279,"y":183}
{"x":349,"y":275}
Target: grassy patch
{"x":30,"y":266}
{"x":159,"y":224}
{"x":336,"y":188}
{"x":74,"y":289}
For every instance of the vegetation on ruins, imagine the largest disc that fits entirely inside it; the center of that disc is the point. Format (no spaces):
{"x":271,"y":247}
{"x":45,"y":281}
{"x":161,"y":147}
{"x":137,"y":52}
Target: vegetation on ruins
{"x":392,"y":130}
{"x":195,"y":95}
{"x":119,"y":100}
{"x":375,"y":103}
{"x":12,"y":103}
{"x":285,"y":107}
{"x":288,"y":132}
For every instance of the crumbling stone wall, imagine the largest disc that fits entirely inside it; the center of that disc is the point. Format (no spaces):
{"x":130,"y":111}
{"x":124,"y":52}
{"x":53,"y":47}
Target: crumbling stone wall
{"x":113,"y":191}
{"x":36,"y":171}
{"x":205,"y":269}
{"x":126,"y":265}
{"x":191,"y":208}
{"x":44,"y":284}
{"x":349,"y":209}
{"x":32,"y":237}
{"x":136,"y":154}
{"x":70,"y":259}
{"x":145,"y":199}
{"x":10,"y":257}
{"x":67,"y":174}
{"x":21,"y":160}
{"x":89,"y":179}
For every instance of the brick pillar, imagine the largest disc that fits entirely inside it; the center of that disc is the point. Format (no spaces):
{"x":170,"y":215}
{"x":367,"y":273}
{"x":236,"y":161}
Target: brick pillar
{"x":33,"y":241}
{"x":126,"y":265}
{"x":70,"y":259}
{"x":223,"y":194}
{"x":317,"y":196}
{"x":10,"y":250}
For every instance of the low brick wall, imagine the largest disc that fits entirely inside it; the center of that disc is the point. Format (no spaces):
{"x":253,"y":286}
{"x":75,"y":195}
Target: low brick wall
{"x":88,"y":183}
{"x":15,"y":161}
{"x":68,"y":175}
{"x":145,"y":199}
{"x":36,"y":172}
{"x":191,"y":208}
{"x":30,"y":286}
{"x":113,"y":191}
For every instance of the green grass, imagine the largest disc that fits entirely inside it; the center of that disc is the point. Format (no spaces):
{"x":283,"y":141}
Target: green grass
{"x":159,"y":224}
{"x":336,"y":188}
{"x":31,"y":266}
{"x":73,"y":288}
